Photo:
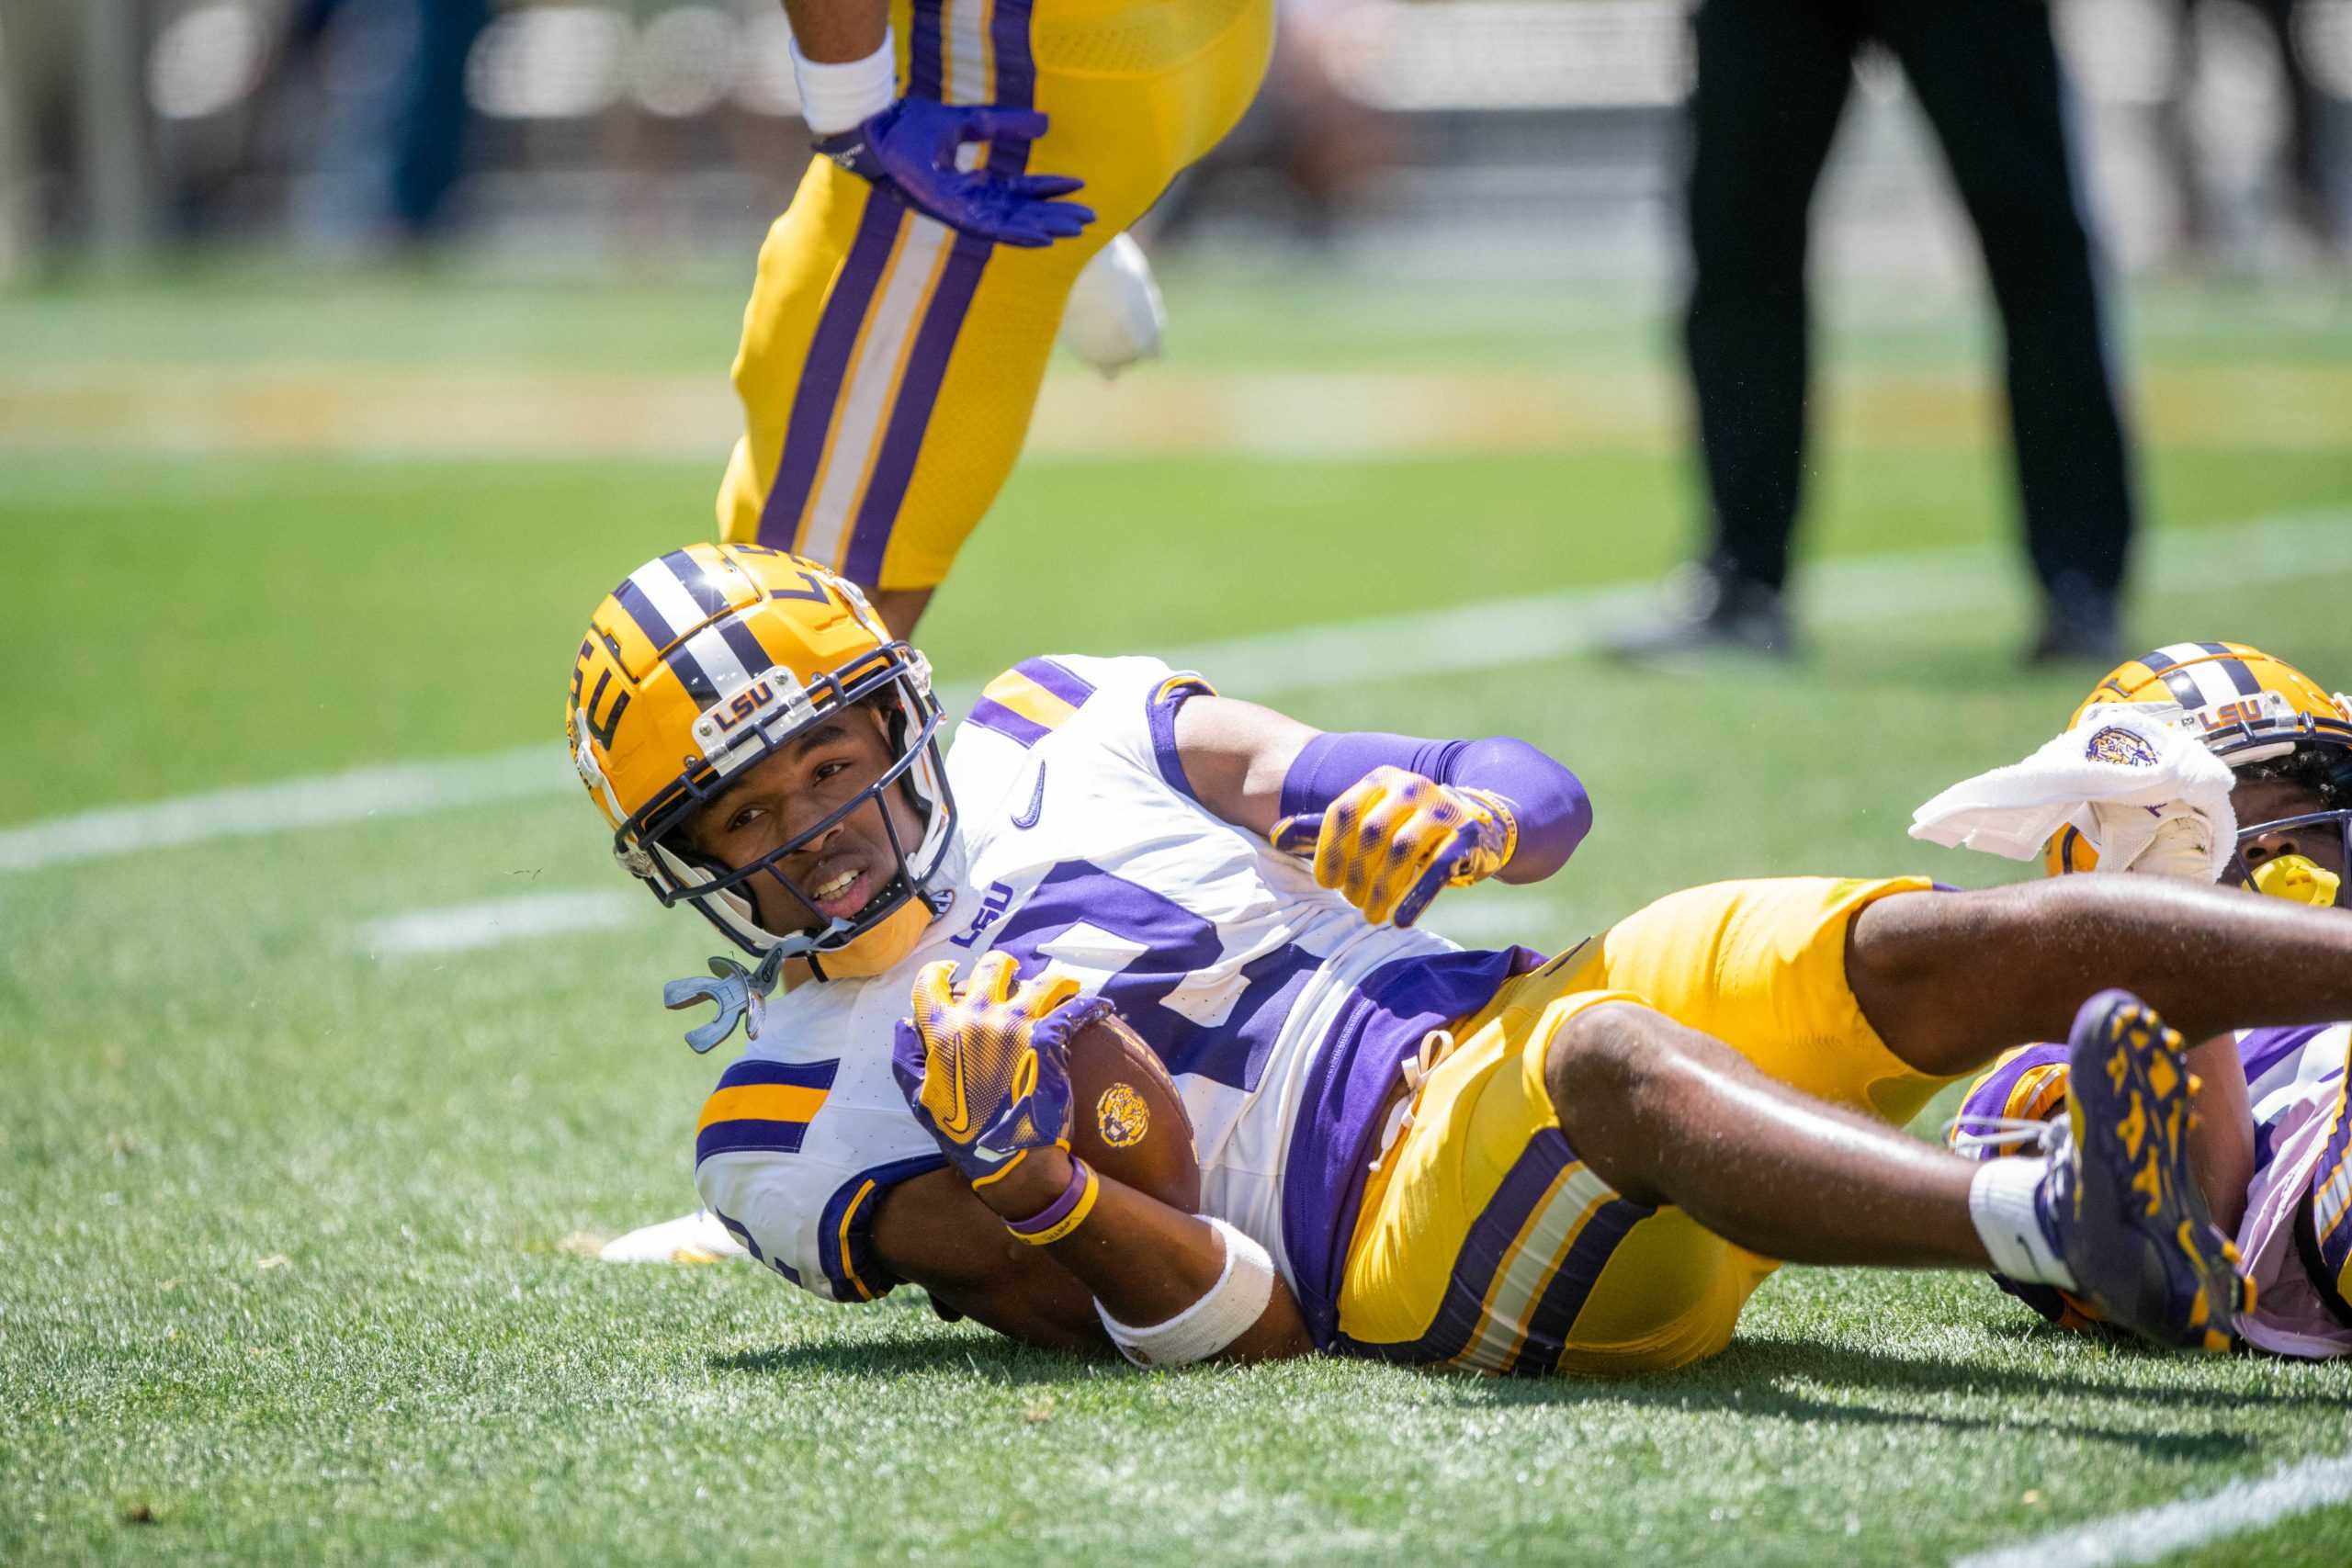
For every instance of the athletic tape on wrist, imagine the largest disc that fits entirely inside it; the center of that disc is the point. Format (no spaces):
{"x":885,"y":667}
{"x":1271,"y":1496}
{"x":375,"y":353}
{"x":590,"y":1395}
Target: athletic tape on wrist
{"x":1065,"y":1213}
{"x":837,"y":96}
{"x":1237,"y":1300}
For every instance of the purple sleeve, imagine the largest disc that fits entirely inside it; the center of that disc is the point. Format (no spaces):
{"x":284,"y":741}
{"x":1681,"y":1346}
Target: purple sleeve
{"x":1552,"y":811}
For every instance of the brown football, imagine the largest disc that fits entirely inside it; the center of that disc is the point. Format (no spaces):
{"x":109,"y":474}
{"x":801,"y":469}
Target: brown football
{"x":1126,"y":1120}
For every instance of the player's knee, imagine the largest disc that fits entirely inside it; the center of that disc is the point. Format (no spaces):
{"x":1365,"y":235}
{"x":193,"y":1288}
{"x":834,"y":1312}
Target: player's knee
{"x":1607,"y":1059}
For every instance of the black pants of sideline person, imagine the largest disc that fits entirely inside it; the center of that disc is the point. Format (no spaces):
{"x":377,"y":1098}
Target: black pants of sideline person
{"x":1773,"y":79}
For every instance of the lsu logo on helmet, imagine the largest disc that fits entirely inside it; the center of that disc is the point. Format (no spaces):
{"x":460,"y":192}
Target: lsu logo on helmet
{"x":708,"y":659}
{"x":2245,"y":705}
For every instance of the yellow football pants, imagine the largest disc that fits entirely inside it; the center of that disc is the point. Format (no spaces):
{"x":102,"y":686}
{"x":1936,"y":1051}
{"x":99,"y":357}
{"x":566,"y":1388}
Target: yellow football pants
{"x":1484,"y":1241}
{"x":889,"y":366}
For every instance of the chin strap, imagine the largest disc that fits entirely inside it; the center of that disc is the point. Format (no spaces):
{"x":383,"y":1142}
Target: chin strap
{"x":736,"y":991}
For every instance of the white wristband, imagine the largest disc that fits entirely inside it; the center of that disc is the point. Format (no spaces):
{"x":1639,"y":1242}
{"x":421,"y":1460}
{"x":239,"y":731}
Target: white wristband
{"x":835,"y":98}
{"x":1237,"y":1301}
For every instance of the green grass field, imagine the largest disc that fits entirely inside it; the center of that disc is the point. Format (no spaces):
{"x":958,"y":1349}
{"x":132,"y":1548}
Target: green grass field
{"x":293,"y":1227}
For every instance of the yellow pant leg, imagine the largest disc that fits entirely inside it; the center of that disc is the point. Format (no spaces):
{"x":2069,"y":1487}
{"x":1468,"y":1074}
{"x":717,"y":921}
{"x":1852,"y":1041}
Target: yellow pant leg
{"x":1485,"y":1243}
{"x":888,"y":366}
{"x":1761,"y":966}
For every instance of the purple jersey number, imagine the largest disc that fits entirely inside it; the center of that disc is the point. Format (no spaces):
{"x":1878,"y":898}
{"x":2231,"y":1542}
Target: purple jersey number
{"x":1175,"y":944}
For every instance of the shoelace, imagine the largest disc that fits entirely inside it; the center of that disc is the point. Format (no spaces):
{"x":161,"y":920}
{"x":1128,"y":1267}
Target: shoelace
{"x":1436,"y":1046}
{"x":1974,"y":1134}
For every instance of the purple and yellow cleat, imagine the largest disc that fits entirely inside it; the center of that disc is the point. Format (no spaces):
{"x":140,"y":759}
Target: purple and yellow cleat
{"x":2122,"y":1205}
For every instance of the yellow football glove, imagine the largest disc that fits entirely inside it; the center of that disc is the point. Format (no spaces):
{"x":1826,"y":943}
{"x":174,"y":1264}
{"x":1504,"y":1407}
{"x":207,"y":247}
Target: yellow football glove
{"x":987,"y":1070}
{"x":1394,"y":837}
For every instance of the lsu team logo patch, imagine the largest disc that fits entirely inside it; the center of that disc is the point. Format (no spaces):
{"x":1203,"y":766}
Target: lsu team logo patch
{"x":1121,"y":1116}
{"x":2118,"y":745}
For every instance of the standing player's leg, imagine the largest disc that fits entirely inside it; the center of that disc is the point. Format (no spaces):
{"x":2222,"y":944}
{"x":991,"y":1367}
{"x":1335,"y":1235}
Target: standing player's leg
{"x":1992,"y":82}
{"x":888,"y":366}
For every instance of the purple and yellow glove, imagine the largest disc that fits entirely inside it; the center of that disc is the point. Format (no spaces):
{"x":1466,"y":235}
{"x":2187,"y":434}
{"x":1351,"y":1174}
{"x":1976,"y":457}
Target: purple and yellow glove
{"x":910,"y":149}
{"x":1393,"y":838}
{"x":987,"y":1070}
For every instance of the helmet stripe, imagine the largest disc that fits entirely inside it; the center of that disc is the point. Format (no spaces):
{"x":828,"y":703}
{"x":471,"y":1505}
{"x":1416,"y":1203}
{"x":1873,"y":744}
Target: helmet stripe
{"x":690,"y":674}
{"x":747,"y":648}
{"x":640,"y":610}
{"x":695,"y":578}
{"x":711,"y":654}
{"x":2240,"y":675}
{"x":2183,"y":683}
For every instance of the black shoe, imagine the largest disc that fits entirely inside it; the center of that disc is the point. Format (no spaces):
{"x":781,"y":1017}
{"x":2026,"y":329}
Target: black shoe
{"x":2079,"y":624}
{"x":1710,"y":609}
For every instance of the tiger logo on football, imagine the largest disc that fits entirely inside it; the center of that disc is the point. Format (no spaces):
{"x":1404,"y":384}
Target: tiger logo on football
{"x":1122,"y":1116}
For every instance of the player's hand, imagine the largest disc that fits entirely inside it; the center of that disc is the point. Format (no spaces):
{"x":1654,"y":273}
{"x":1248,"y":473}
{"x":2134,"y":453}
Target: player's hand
{"x":986,"y":1069}
{"x":910,"y":149}
{"x":1395,"y":838}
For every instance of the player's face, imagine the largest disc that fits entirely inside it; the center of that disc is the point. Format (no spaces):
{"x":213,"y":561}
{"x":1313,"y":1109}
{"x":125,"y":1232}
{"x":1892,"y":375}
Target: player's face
{"x":2271,"y":800}
{"x":784,"y":796}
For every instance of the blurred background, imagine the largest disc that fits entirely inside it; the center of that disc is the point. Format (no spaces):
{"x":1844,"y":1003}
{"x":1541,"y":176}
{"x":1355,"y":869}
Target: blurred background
{"x":1534,"y":135}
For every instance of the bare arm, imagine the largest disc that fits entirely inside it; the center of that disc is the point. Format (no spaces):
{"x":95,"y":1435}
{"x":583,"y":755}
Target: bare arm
{"x":833,"y":31}
{"x":1145,"y":1260}
{"x":1235,"y":755}
{"x":2221,"y":1143}
{"x":930,"y":1230}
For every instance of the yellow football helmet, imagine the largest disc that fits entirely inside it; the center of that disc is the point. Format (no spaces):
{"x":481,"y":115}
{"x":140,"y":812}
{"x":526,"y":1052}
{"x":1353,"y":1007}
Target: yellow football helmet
{"x":708,"y":659}
{"x":2249,"y":709}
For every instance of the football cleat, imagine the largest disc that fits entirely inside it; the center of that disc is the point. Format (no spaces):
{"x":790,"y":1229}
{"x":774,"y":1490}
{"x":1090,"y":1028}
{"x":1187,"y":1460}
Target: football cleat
{"x":2120,"y":1202}
{"x":697,"y":1237}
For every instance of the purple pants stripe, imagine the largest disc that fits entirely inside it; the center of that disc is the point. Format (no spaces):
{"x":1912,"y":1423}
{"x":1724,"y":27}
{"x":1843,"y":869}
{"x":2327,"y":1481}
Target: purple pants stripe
{"x":894,"y":466}
{"x":926,"y":52}
{"x":826,"y":371}
{"x":1491,"y":1234}
{"x":1554,"y":1317}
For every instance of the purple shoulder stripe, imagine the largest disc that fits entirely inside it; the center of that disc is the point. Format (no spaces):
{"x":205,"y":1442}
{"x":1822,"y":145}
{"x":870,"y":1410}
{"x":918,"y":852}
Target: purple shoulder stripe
{"x":845,"y":1229}
{"x":1159,"y":715}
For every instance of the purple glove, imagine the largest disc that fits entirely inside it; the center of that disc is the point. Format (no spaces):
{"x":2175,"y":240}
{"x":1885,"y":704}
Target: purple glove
{"x":910,"y":149}
{"x":986,"y":1071}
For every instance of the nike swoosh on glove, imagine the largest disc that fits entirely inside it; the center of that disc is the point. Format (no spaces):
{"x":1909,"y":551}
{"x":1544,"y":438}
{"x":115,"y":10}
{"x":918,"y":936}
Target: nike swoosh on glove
{"x":986,"y":1069}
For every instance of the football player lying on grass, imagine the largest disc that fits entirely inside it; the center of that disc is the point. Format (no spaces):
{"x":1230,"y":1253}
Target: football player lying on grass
{"x":1398,"y":1148}
{"x":2262,"y":800}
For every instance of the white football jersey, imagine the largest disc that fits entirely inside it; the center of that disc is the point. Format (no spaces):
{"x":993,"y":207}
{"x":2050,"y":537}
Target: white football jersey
{"x":2295,"y":1081}
{"x":1280,"y":1013}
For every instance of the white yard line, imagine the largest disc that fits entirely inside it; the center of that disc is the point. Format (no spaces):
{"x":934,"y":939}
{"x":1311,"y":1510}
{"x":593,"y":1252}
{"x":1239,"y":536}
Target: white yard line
{"x":463,"y":927}
{"x":2149,"y":1535}
{"x":398,"y":789}
{"x":1449,"y":641}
